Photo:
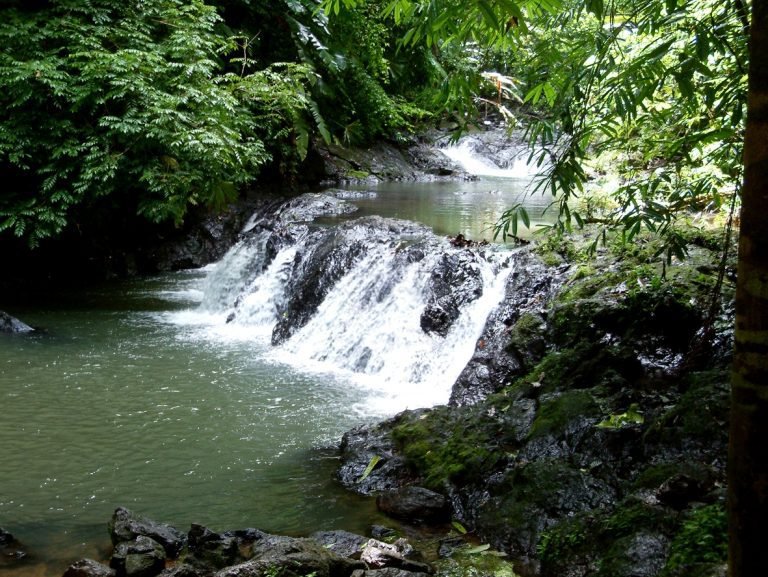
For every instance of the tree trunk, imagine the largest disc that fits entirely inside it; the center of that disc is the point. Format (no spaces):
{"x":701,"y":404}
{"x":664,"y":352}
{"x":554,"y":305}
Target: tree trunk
{"x":748,"y":450}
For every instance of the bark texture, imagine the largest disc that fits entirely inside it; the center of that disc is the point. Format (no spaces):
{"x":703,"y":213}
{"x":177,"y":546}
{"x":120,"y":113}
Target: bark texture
{"x":748,"y":450}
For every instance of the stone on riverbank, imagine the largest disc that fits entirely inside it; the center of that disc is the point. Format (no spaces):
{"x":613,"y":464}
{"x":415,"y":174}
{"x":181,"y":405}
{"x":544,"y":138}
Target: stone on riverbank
{"x":242,"y":553}
{"x":140,"y":557}
{"x":415,"y":505}
{"x":127,"y":526}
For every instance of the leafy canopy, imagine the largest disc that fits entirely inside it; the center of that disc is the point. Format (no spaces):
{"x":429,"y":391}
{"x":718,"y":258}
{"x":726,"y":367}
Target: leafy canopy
{"x":129,"y":101}
{"x":655,"y":88}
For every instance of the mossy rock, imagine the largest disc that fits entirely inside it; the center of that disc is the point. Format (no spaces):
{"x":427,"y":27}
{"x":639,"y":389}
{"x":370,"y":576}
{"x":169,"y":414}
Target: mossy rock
{"x":613,"y":542}
{"x":447,"y":444}
{"x":697,"y":423}
{"x":558,"y":411}
{"x":533,"y":497}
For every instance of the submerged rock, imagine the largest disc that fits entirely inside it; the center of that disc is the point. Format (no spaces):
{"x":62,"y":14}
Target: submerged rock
{"x":89,"y":568}
{"x":9,"y":324}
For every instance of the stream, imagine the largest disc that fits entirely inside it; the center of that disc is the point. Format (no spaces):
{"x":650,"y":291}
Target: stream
{"x":167,"y":396}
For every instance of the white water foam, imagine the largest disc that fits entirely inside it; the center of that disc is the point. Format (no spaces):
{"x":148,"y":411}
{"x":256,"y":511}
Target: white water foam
{"x":366,"y":331}
{"x":465,"y":156}
{"x":369,"y":328}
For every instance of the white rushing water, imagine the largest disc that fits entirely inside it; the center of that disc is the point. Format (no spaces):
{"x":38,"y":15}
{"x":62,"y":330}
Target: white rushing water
{"x":465,"y":154}
{"x":366,"y":330}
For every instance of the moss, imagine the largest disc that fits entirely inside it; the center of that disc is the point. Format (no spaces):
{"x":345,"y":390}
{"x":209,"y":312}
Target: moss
{"x":555,"y":414}
{"x":558,"y":544}
{"x":701,"y":542}
{"x":700,"y":415}
{"x":443,"y":445}
{"x":527,"y":338}
{"x":357,"y":174}
{"x":484,"y":564}
{"x":601,"y":538}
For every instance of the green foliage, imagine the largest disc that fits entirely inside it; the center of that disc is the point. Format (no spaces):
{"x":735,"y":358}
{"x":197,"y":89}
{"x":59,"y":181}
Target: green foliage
{"x":129,"y":101}
{"x":702,"y":540}
{"x":658,"y":87}
{"x":629,"y":418}
{"x":97,"y":99}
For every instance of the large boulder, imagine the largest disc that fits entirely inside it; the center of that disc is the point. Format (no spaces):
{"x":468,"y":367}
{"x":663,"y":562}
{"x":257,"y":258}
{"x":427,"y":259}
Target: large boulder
{"x":454,"y":282}
{"x":127,"y":526}
{"x":291,"y":557}
{"x":342,"y":543}
{"x":521,"y":315}
{"x":325,"y":256}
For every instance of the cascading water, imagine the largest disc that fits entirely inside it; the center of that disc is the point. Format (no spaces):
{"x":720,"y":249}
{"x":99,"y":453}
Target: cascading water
{"x":483,"y":154}
{"x":385,"y":303}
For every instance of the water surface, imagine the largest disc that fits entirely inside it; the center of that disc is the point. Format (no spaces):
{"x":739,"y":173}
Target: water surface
{"x":133,"y":397}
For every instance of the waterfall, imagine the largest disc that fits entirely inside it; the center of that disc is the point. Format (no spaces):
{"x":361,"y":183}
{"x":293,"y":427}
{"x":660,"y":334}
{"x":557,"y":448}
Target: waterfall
{"x":471,"y":153}
{"x":386,"y":304}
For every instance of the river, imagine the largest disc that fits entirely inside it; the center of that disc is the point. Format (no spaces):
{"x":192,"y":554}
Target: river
{"x":137,"y":395}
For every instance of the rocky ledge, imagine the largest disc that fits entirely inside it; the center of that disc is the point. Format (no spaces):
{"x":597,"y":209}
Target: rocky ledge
{"x":588,"y":435}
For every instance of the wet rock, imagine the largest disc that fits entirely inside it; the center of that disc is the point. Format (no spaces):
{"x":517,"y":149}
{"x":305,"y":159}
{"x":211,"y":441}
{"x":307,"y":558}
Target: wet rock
{"x":214,"y":550}
{"x":642,"y":555}
{"x":388,"y":572}
{"x":454,"y":282}
{"x":11,"y":550}
{"x":381,"y":532}
{"x":310,"y":206}
{"x":680,"y":489}
{"x":449,"y":546}
{"x":329,"y":255}
{"x":89,"y":568}
{"x":383,"y":161}
{"x":127,"y":526}
{"x":141,"y":557}
{"x":362,"y":444}
{"x":291,"y":557}
{"x":342,"y":543}
{"x":498,"y":359}
{"x":415,"y":504}
{"x":184,"y":570}
{"x":9,"y":324}
{"x":377,"y":555}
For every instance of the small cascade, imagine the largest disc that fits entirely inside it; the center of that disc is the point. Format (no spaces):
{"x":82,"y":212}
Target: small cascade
{"x":232,"y":274}
{"x":384,"y":302}
{"x":472,"y":154}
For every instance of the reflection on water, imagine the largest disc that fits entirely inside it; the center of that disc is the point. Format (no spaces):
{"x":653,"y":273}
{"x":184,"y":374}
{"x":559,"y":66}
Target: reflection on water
{"x":449,"y":208}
